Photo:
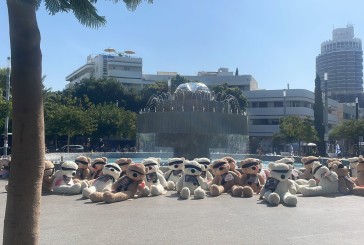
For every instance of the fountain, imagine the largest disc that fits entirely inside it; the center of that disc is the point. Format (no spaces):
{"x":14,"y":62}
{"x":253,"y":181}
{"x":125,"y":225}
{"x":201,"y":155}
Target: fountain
{"x":192,"y":122}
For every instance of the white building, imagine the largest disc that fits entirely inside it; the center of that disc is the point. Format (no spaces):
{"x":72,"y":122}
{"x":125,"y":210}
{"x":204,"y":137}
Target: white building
{"x":266,"y":107}
{"x":124,"y":68}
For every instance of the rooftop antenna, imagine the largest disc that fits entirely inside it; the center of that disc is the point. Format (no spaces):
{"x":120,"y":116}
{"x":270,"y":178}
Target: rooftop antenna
{"x":288,"y":86}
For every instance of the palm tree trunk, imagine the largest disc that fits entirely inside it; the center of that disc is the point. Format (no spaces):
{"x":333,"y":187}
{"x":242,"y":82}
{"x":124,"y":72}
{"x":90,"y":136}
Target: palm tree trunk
{"x":21,"y":225}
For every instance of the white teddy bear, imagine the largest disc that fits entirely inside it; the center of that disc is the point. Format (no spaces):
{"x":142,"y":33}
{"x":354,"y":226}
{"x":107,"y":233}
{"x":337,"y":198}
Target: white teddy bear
{"x":278,"y":188}
{"x":191,"y":181}
{"x":63,"y":180}
{"x":206,"y":175}
{"x":174,"y":173}
{"x":110,"y":173}
{"x":353,"y":163}
{"x":328,"y":182}
{"x":154,"y":180}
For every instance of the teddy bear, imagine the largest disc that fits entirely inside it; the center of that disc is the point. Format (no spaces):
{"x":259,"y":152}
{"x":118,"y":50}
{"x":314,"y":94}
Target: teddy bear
{"x":278,"y":188}
{"x":110,"y":173}
{"x":250,"y":174}
{"x":48,"y":176}
{"x":128,"y":185}
{"x":346,"y":184}
{"x":327,"y":181}
{"x":224,"y":179}
{"x":4,"y":168}
{"x":307,"y":174}
{"x":232,"y":164}
{"x":97,"y":165}
{"x":83,"y":172}
{"x":174,"y":173}
{"x":205,"y":163}
{"x":359,"y":181}
{"x":63,"y":180}
{"x":191,"y":182}
{"x":123,"y":164}
{"x":154,"y":180}
{"x":353,"y":163}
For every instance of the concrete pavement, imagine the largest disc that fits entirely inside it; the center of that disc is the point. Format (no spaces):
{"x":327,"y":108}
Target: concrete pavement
{"x":215,"y":220}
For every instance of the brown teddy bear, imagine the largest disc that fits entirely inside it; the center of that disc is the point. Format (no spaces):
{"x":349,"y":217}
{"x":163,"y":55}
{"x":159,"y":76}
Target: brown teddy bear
{"x":83,"y":172}
{"x":307,"y":162}
{"x":48,"y":176}
{"x":359,"y":189}
{"x":346,"y":184}
{"x":250,"y":174}
{"x":97,"y":165}
{"x":224,"y":179}
{"x":127,"y":186}
{"x":232,"y":164}
{"x":123,"y":164}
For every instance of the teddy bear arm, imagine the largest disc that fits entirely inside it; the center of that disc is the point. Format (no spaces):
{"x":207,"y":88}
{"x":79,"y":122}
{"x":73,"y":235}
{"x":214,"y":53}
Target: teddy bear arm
{"x":342,"y":186}
{"x":216,"y":180}
{"x":292,"y":187}
{"x":162,"y":180}
{"x":261,"y":179}
{"x":202,"y":183}
{"x":209,"y":176}
{"x":306,"y":174}
{"x":179,"y":184}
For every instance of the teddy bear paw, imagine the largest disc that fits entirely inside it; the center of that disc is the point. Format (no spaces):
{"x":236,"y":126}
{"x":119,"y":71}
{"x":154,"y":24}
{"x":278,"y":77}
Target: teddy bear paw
{"x":171,"y":185}
{"x":185,"y":193}
{"x":214,"y":190}
{"x":247,"y":192}
{"x":290,"y":201}
{"x":199,"y":193}
{"x":274,"y":198}
{"x":155,"y":191}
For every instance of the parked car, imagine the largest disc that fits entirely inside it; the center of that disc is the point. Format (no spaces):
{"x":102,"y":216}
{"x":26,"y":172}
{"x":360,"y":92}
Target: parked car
{"x":73,"y":148}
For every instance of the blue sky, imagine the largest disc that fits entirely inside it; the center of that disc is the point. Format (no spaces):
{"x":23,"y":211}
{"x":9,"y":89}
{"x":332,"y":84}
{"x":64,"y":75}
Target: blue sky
{"x":276,"y":41}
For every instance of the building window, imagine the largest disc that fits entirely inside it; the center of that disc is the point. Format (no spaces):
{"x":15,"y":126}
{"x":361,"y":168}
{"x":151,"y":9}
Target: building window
{"x":263,"y":104}
{"x":278,"y":104}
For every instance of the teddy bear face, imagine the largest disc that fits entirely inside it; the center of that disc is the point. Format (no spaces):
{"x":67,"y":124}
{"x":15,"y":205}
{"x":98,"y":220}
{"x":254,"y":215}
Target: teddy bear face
{"x":175,"y":163}
{"x":204,"y":162}
{"x":136,"y":171}
{"x":124,"y":163}
{"x":112,"y":169}
{"x":192,"y":168}
{"x":220,"y":167}
{"x":231,"y":162}
{"x":280,"y":171}
{"x":308,"y":161}
{"x":338,"y":168}
{"x":48,"y":169}
{"x":151,"y":165}
{"x":69,"y":169}
{"x":99,"y":163}
{"x":83,"y":162}
{"x":250,"y":166}
{"x":320,"y":171}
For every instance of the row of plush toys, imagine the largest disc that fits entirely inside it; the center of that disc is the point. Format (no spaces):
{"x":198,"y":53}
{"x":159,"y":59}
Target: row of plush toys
{"x":101,"y":181}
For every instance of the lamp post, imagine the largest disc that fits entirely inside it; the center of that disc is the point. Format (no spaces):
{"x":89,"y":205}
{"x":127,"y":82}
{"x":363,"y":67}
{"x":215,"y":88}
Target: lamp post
{"x":7,"y":98}
{"x":357,"y":117}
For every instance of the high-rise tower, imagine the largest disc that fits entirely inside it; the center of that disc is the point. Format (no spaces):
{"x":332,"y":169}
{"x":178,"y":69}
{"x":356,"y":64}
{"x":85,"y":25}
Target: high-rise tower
{"x":342,"y":59}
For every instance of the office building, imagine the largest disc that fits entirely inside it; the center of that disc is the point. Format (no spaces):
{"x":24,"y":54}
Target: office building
{"x":342,"y":59}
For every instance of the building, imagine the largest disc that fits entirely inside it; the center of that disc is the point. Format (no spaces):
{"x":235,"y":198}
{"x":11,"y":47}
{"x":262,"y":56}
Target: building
{"x":223,"y":75}
{"x":266,"y":107}
{"x":124,"y":68}
{"x":129,"y":71}
{"x":342,"y":59}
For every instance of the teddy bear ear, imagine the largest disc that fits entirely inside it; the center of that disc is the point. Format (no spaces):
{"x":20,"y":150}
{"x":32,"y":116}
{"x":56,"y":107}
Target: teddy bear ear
{"x":129,"y":160}
{"x":271,"y":165}
{"x":105,"y":158}
{"x":290,"y":166}
{"x":89,"y":160}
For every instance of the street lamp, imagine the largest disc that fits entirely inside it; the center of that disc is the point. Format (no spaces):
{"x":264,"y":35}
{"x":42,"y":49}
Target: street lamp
{"x":284,"y":101}
{"x":7,"y":98}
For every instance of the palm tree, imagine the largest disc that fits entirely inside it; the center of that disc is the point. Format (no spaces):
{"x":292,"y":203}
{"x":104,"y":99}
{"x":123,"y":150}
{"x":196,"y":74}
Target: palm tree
{"x":21,"y":225}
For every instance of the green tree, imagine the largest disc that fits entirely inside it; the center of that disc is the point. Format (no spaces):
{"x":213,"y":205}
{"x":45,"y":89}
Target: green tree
{"x":157,"y":88}
{"x":113,"y":121}
{"x":176,"y":81}
{"x":295,"y":128}
{"x":234,"y":91}
{"x":349,"y":131}
{"x":21,"y":224}
{"x":318,"y":111}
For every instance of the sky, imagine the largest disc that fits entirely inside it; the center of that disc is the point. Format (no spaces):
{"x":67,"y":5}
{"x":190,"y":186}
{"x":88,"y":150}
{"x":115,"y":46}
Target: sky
{"x":275,"y":41}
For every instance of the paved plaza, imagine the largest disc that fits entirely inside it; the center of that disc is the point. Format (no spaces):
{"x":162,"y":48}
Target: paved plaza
{"x":215,"y":220}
